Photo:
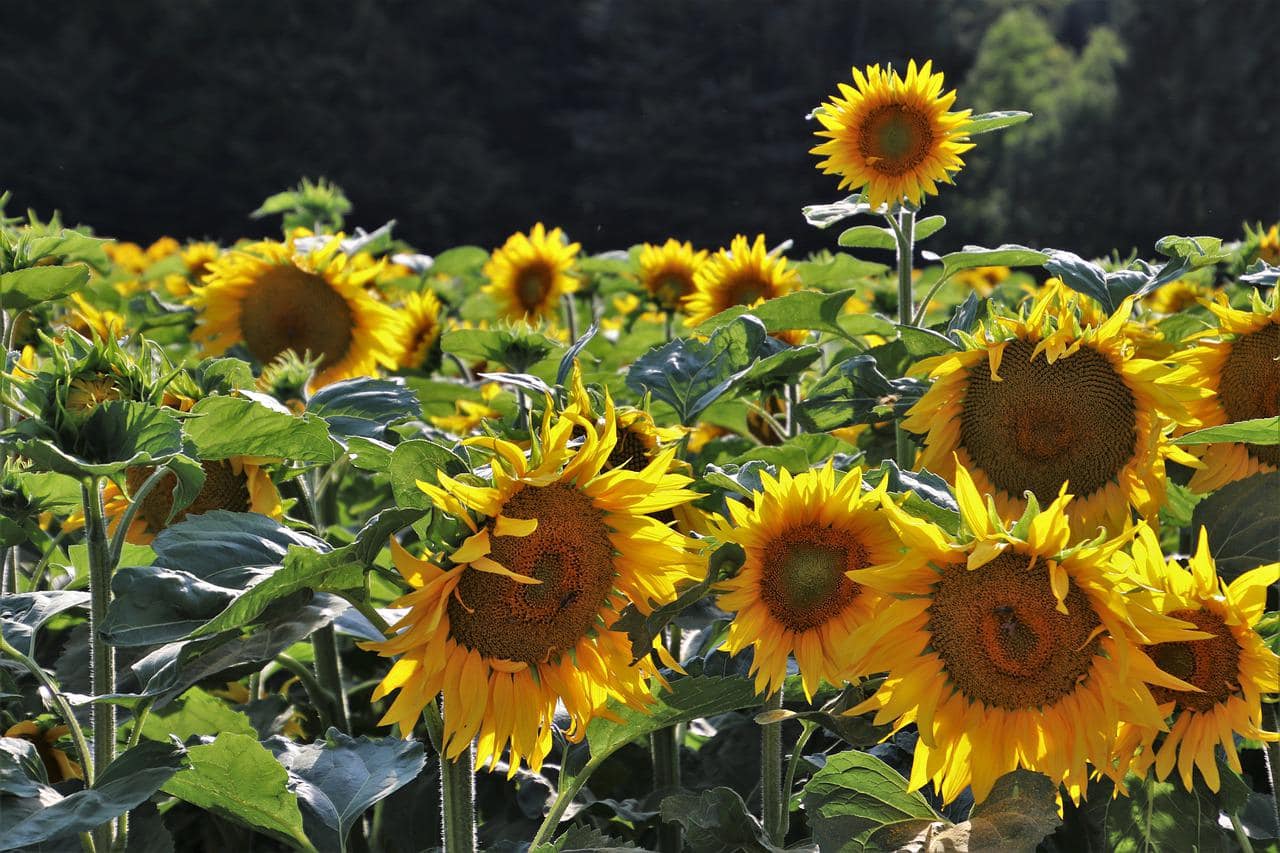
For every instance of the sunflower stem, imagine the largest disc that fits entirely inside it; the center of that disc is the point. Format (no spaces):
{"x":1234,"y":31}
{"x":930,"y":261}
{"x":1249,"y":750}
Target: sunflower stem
{"x":668,"y":325}
{"x":135,"y":735}
{"x":918,"y":318}
{"x":135,"y":504}
{"x":102,"y":657}
{"x":570,"y":316}
{"x":324,"y":643}
{"x":904,"y":230}
{"x":1271,"y":754}
{"x":323,"y":701}
{"x":664,"y":749}
{"x":773,"y":800}
{"x":1241,"y":836}
{"x":793,"y":764}
{"x":458,"y":801}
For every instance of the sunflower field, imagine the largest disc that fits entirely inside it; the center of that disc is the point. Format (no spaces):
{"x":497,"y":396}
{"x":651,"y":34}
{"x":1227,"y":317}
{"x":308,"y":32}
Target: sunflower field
{"x":323,"y":543}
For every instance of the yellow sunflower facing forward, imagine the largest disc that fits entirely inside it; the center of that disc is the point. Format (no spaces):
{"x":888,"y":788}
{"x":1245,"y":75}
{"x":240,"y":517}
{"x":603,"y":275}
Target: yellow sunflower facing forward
{"x":668,"y":272}
{"x":1231,"y":669}
{"x":1240,"y":370}
{"x":1008,"y":649}
{"x":517,"y":617}
{"x":1041,"y":399}
{"x":529,"y":274}
{"x":274,"y":297}
{"x":806,"y":539}
{"x":744,"y":274}
{"x":894,"y":138}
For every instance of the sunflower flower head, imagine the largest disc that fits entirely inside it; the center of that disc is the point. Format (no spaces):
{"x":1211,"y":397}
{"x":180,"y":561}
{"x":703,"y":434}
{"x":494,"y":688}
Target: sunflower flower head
{"x":530,"y":272}
{"x":746,"y":273}
{"x":516,"y":618}
{"x":892,"y":137}
{"x":669,"y":271}
{"x":421,"y":310}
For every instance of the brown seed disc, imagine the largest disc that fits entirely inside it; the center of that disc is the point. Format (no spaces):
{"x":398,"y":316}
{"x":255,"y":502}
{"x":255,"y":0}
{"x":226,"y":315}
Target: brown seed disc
{"x":532,"y":285}
{"x":1213,"y":665}
{"x":629,"y":452}
{"x":671,"y":288}
{"x":802,"y":574}
{"x":1001,"y":638}
{"x":895,"y":138}
{"x":289,"y":308}
{"x":1250,"y":384}
{"x":745,"y":288}
{"x":1045,"y":424}
{"x":223,"y":489}
{"x":570,"y":552}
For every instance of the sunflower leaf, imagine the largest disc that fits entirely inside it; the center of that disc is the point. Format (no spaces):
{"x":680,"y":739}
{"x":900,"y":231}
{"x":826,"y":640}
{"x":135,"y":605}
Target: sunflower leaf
{"x":1240,"y":522}
{"x":1163,"y":816}
{"x":1256,"y":431}
{"x":364,"y":407}
{"x":1016,"y":816}
{"x":717,"y":821}
{"x":414,"y":460}
{"x":856,"y":392}
{"x":998,"y":120}
{"x":118,"y":435}
{"x":837,"y":272}
{"x":222,"y":427}
{"x":1005,"y":255}
{"x":867,"y":237}
{"x":23,"y":614}
{"x":856,"y":797}
{"x":23,"y":288}
{"x":1261,"y":274}
{"x":804,"y":309}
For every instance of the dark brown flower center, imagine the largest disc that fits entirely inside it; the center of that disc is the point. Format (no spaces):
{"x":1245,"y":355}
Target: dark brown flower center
{"x":802,"y":577}
{"x":1212,"y":664}
{"x":223,"y":489}
{"x":895,"y":138}
{"x":291,"y":309}
{"x":629,"y":452}
{"x":533,"y":283}
{"x":1250,"y":384}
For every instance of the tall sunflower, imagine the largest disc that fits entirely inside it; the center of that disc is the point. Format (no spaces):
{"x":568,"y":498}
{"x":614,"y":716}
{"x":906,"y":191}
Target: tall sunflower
{"x":807,"y":538}
{"x":529,"y":274}
{"x":516,"y":619}
{"x":421,"y":311}
{"x":894,"y":138}
{"x":668,"y":271}
{"x":744,"y":274}
{"x":1230,"y":670}
{"x":1008,"y":649}
{"x":1040,"y":400}
{"x":1240,"y":371}
{"x":274,"y":297}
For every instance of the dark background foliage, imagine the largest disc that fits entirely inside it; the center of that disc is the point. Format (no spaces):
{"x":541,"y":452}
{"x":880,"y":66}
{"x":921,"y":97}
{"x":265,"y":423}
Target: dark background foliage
{"x":630,"y":121}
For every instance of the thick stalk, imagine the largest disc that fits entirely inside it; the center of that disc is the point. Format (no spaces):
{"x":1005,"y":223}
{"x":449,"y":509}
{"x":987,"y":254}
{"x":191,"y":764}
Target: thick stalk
{"x":102,"y":657}
{"x":773,"y":799}
{"x":668,"y":325}
{"x":904,"y":228}
{"x":320,"y":698}
{"x":324,"y":643}
{"x":458,"y":801}
{"x":664,"y":749}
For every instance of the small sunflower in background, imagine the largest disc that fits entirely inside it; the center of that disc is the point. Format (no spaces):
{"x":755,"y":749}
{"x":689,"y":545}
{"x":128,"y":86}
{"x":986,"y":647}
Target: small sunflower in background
{"x":983,"y":280}
{"x":1041,"y":399}
{"x":89,"y":321}
{"x":529,"y":274}
{"x":806,"y":538}
{"x":1269,"y":245}
{"x":196,"y":257}
{"x":746,"y":273}
{"x":1240,"y":370}
{"x":1008,"y":648}
{"x":1177,"y":295}
{"x":669,"y":271}
{"x":891,"y":137}
{"x":421,"y":313}
{"x":58,"y":766}
{"x":274,"y":297}
{"x":516,"y":619}
{"x":1231,"y":668}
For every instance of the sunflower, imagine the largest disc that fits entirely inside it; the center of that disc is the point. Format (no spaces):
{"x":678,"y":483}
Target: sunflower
{"x":890,"y":137}
{"x":1040,"y":400}
{"x":274,"y":297}
{"x":196,"y":257}
{"x":668,"y":271}
{"x":1008,"y":649}
{"x":806,"y":539}
{"x":1231,"y":669}
{"x":1269,"y":245}
{"x":744,"y":274}
{"x":516,"y":619}
{"x":421,"y":311}
{"x":983,"y":280}
{"x":58,"y":766}
{"x":529,"y":274}
{"x":1176,"y":296}
{"x":1240,"y":370}
{"x":90,"y":321}
{"x":129,"y":257}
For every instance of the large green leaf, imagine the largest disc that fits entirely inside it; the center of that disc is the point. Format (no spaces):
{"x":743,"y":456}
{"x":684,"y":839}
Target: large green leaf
{"x":22,"y":773}
{"x":855,"y":391}
{"x":717,"y":821}
{"x":867,"y":237}
{"x":1160,"y":816}
{"x":22,"y":615}
{"x":998,"y":120}
{"x":838,"y":272}
{"x":804,"y":309}
{"x":411,"y":461}
{"x":118,"y":435}
{"x":227,"y":548}
{"x":236,"y":778}
{"x":1016,"y":816}
{"x":826,"y":215}
{"x":23,"y":288}
{"x":237,"y":426}
{"x":363,"y":406}
{"x":153,"y":605}
{"x":125,"y":783}
{"x":1256,"y":431}
{"x":1242,"y":521}
{"x":338,"y":778}
{"x":856,"y":796}
{"x":195,"y":713}
{"x":1005,"y":255}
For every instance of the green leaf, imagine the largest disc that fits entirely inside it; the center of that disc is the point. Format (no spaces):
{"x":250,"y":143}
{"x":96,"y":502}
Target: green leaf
{"x":1197,"y":251}
{"x":867,"y":237}
{"x":237,"y":426}
{"x":923,"y":343}
{"x":1158,"y":816}
{"x":236,"y":778}
{"x":460,"y":260}
{"x":1241,"y":522}
{"x":23,"y":288}
{"x":1005,"y":255}
{"x":364,"y":407}
{"x":125,"y":783}
{"x":856,"y":392}
{"x":416,"y":460}
{"x":838,"y":272}
{"x":22,"y":772}
{"x":774,"y":371}
{"x":579,"y":838}
{"x":516,"y":349}
{"x":1019,"y":813}
{"x":153,"y":605}
{"x":227,"y":548}
{"x":196,"y":713}
{"x":117,"y":436}
{"x":338,"y":778}
{"x":22,"y":615}
{"x":998,"y":120}
{"x":1256,"y":431}
{"x":717,"y":821}
{"x":369,"y":454}
{"x":928,"y":226}
{"x":854,"y":796}
{"x":804,"y":309}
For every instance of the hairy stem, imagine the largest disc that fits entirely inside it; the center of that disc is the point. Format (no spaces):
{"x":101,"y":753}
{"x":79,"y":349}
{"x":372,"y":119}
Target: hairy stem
{"x":458,"y":801}
{"x":102,"y":657}
{"x":904,"y":231}
{"x":664,"y":750}
{"x":59,"y":703}
{"x":324,"y":643}
{"x":772,"y":798}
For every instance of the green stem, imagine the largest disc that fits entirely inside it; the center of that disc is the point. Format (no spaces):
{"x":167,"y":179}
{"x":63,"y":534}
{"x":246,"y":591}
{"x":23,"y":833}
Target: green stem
{"x":102,"y":657}
{"x":668,"y":325}
{"x":135,"y":504}
{"x":568,"y":789}
{"x":664,"y":749}
{"x":789,"y":784}
{"x":1271,"y":754}
{"x":320,"y":697}
{"x":37,"y":574}
{"x":60,"y":703}
{"x":140,"y":715}
{"x":570,"y":316}
{"x":458,"y":801}
{"x":9,"y":577}
{"x":918,"y":318}
{"x":904,"y":228}
{"x":1241,"y":835}
{"x":324,"y":643}
{"x":772,"y":798}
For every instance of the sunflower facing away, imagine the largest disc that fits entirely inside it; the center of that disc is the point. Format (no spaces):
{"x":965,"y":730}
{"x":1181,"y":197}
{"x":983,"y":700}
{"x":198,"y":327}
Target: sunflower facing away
{"x":274,"y":297}
{"x":529,"y":274}
{"x":58,"y":766}
{"x":517,"y":617}
{"x":1009,"y":649}
{"x":744,"y":274}
{"x":892,"y":137}
{"x":1240,"y":369}
{"x":668,"y":272}
{"x":1040,"y":400}
{"x":806,"y":539}
{"x":238,"y":484}
{"x":1231,"y":669}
